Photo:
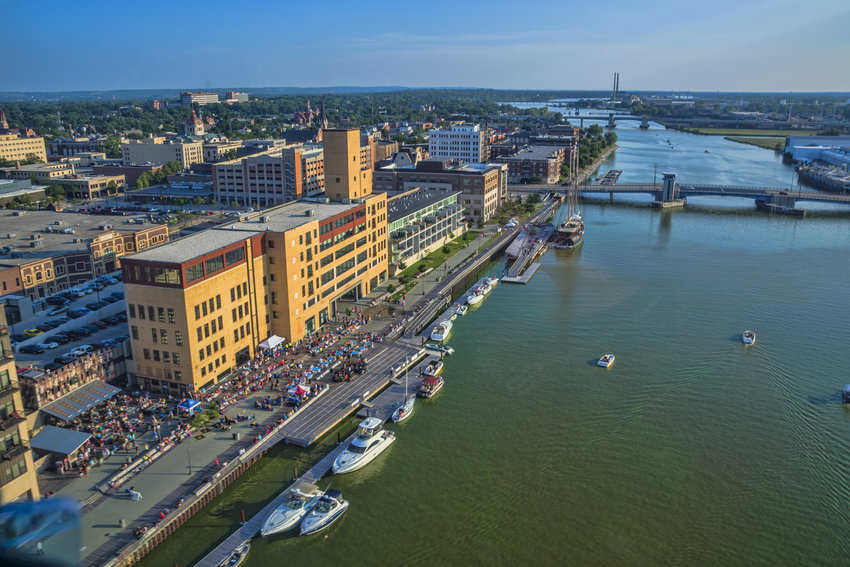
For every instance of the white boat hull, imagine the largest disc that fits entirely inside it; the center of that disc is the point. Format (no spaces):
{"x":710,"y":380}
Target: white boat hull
{"x":474,"y":299}
{"x":348,"y":461}
{"x":314,"y":523}
{"x":404,"y":411}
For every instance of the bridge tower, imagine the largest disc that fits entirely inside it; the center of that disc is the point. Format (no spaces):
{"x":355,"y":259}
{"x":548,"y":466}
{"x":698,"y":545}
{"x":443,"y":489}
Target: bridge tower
{"x":612,"y":123}
{"x":668,"y":194}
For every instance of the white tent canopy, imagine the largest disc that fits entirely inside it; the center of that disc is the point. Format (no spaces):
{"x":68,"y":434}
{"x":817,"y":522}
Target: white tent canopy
{"x":271,"y":342}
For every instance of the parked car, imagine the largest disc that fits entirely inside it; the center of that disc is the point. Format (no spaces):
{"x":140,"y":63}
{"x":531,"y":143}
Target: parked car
{"x":107,"y":343}
{"x":101,"y":324}
{"x":62,"y":338}
{"x":64,"y":359}
{"x":32,"y":332}
{"x":122,"y":317}
{"x":118,"y":295}
{"x":81,"y":350}
{"x":32,"y":349}
{"x":52,"y":366}
{"x":78,"y":312}
{"x":95,"y":305}
{"x":57,"y":300}
{"x":58,"y":311}
{"x":19,"y":338}
{"x":47,"y":326}
{"x":49,"y":345}
{"x":113,"y":319}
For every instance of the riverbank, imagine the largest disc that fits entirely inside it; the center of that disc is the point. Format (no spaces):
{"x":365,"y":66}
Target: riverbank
{"x":776,"y":144}
{"x":586,"y":172}
{"x":753,"y":132}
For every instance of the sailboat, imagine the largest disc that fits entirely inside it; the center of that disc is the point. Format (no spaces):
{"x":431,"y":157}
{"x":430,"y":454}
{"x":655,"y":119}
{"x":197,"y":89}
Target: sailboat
{"x":405,"y":407}
{"x":570,"y":233}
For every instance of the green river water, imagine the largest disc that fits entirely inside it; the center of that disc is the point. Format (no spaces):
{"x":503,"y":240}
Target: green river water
{"x":691,"y":450}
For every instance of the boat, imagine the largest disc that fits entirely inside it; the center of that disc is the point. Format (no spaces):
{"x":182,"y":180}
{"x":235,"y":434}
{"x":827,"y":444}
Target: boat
{"x":441,"y":331}
{"x":570,"y":233}
{"x":237,"y":557}
{"x":370,"y":442}
{"x":461,"y":309}
{"x":327,"y":510}
{"x":433,"y":369}
{"x":430,"y":386}
{"x":289,"y":514}
{"x":606,"y":360}
{"x":748,"y":337}
{"x":485,"y":287}
{"x":474,"y":298}
{"x":706,"y":151}
{"x":405,"y":406}
{"x":440,"y":347}
{"x":493,"y":281}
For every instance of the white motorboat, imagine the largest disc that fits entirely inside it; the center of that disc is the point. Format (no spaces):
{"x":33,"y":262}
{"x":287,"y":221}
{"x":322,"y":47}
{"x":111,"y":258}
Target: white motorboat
{"x":434,"y":368}
{"x":485,"y":287}
{"x":289,"y":514}
{"x":430,"y":386}
{"x":237,"y":557}
{"x":748,"y":337}
{"x":440,"y":347}
{"x":606,"y":360}
{"x":493,"y":281}
{"x":474,"y":298}
{"x":370,"y":442}
{"x":461,"y":309}
{"x":441,"y":331}
{"x":327,"y":510}
{"x":405,"y":406}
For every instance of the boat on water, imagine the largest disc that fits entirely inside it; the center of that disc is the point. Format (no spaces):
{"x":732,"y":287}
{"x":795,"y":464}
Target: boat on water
{"x":441,"y":331}
{"x":370,"y":442}
{"x":461,"y":309}
{"x":570,"y":233}
{"x":440,"y":347}
{"x":295,"y":506}
{"x":405,"y":406}
{"x":485,"y":286}
{"x":237,"y":557}
{"x":327,"y":510}
{"x":474,"y":298}
{"x":748,"y":337}
{"x":430,"y":386}
{"x":434,"y":368}
{"x":493,"y":281}
{"x":606,"y":360}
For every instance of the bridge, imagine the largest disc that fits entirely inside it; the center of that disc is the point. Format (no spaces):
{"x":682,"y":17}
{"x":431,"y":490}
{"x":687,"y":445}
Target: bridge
{"x":670,"y":193}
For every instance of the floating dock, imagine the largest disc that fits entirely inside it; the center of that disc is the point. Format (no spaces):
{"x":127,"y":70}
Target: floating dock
{"x":525,"y":277}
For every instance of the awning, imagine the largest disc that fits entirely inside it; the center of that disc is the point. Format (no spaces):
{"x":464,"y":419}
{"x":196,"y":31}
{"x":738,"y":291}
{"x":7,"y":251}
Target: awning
{"x":189,"y":406}
{"x":59,"y":440}
{"x":271,"y":342}
{"x":81,"y":400}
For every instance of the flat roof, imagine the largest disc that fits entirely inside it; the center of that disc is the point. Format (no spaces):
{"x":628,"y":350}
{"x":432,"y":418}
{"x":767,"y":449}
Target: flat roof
{"x":401,"y":205}
{"x":169,"y":191}
{"x":34,"y":222}
{"x":81,"y":400}
{"x":532,"y":152}
{"x":278,"y":219}
{"x":16,"y":187}
{"x":59,"y":440}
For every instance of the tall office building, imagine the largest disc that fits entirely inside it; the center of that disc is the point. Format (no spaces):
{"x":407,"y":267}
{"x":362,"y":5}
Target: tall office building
{"x":463,"y":142}
{"x":201,"y":305}
{"x":17,"y":472}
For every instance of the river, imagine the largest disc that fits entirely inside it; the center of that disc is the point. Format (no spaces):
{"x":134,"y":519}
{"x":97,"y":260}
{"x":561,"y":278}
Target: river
{"x":691,"y":450}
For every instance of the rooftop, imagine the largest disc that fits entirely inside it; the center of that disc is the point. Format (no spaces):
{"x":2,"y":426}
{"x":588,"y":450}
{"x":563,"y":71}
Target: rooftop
{"x":444,"y":166}
{"x":14,"y":188}
{"x":533,"y":152}
{"x":34,"y":222}
{"x":278,"y":219}
{"x":401,"y":205}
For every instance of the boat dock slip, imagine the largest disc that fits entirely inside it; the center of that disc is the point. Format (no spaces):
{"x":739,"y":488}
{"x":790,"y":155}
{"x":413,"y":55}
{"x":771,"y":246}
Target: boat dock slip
{"x":344,"y":399}
{"x":384,"y":405}
{"x":524,"y":278}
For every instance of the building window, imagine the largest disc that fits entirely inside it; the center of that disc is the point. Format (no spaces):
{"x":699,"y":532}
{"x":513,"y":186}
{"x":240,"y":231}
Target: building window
{"x":203,"y":370}
{"x":163,"y":337}
{"x":171,"y":315}
{"x":245,"y":288}
{"x":146,"y":353}
{"x":197,"y":312}
{"x":178,"y":375}
{"x":201,"y":354}
{"x":154,"y":335}
{"x":142,"y":312}
{"x":214,"y":264}
{"x":212,"y":325}
{"x":209,"y":350}
{"x":178,"y":338}
{"x":235,"y":335}
{"x":212,"y":304}
{"x":155,"y":355}
{"x":200,"y":333}
{"x":166,"y":356}
{"x":234,"y":315}
{"x":232,"y":294}
{"x":160,"y":314}
{"x":151,"y":313}
{"x":206,"y":330}
{"x":221,"y":342}
{"x":218,"y":300}
{"x":204,"y":308}
{"x":132,"y":309}
{"x":194,"y":273}
{"x":134,"y":331}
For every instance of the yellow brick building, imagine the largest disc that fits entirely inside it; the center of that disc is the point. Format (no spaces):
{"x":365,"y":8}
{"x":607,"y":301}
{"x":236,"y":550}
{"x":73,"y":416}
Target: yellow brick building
{"x":14,"y":148}
{"x":200,"y":305}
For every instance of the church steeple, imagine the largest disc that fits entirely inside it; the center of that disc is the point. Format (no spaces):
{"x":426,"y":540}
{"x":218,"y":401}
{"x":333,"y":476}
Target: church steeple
{"x":4,"y":125}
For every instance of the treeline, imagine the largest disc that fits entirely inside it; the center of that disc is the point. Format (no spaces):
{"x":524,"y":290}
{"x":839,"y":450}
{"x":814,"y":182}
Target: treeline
{"x":159,"y":177}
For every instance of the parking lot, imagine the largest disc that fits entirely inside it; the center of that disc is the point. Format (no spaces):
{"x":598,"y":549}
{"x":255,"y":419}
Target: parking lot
{"x":89,"y":314}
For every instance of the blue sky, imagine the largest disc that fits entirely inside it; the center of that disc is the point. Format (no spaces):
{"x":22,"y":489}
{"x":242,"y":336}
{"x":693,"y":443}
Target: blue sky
{"x":698,"y":45}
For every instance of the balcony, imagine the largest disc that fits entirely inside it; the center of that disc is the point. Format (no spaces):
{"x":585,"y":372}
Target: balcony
{"x":9,"y":388}
{"x":15,"y":451}
{"x":14,"y":419}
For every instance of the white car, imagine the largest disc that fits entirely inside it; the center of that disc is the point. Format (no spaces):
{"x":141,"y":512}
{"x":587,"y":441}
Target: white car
{"x":49,"y":345}
{"x":81,"y":350}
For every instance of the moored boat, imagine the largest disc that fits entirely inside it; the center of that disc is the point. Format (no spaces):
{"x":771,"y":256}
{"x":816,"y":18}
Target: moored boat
{"x":748,"y":337}
{"x":237,"y":557}
{"x":440,"y":347}
{"x":289,"y":514}
{"x":405,"y":406}
{"x":370,"y":442}
{"x":461,"y":309}
{"x":606,"y":360}
{"x":474,"y":298}
{"x":327,"y":510}
{"x":493,"y":281}
{"x":441,"y":331}
{"x":430,"y":386}
{"x":434,"y":368}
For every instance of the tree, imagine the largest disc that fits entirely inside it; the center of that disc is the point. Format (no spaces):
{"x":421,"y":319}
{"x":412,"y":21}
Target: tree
{"x":402,"y":265}
{"x":112,"y":147}
{"x":446,"y":249}
{"x":422,"y":267}
{"x":390,"y":288}
{"x":55,"y":191}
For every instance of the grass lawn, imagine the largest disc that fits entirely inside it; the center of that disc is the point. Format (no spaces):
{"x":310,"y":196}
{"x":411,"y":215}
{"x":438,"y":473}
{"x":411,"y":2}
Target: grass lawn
{"x":439,"y":256}
{"x":749,"y":132}
{"x":767,"y":143}
{"x":260,"y":484}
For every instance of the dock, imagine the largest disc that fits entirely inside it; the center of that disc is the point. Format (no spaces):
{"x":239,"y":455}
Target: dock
{"x":385,"y":403}
{"x":525,"y":277}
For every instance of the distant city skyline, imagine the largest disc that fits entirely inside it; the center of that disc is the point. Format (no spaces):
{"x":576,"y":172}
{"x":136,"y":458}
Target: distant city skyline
{"x":730,"y":46}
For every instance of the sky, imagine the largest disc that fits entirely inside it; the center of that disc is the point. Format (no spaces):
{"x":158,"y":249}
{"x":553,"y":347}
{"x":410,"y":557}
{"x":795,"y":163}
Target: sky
{"x":698,"y":45}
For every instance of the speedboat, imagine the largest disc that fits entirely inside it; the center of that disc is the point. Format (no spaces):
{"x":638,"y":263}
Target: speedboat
{"x":606,"y":360}
{"x":430,"y":386}
{"x":474,"y":298}
{"x":485,"y":287}
{"x":461,"y":309}
{"x":298,"y":504}
{"x":327,"y":510}
{"x":441,"y":331}
{"x":370,"y":442}
{"x":748,"y":337}
{"x":404,"y":409}
{"x":439,"y":347}
{"x":493,"y":281}
{"x":434,"y":368}
{"x":237,"y":557}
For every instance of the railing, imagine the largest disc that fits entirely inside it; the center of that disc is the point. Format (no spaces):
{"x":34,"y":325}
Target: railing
{"x":15,"y":451}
